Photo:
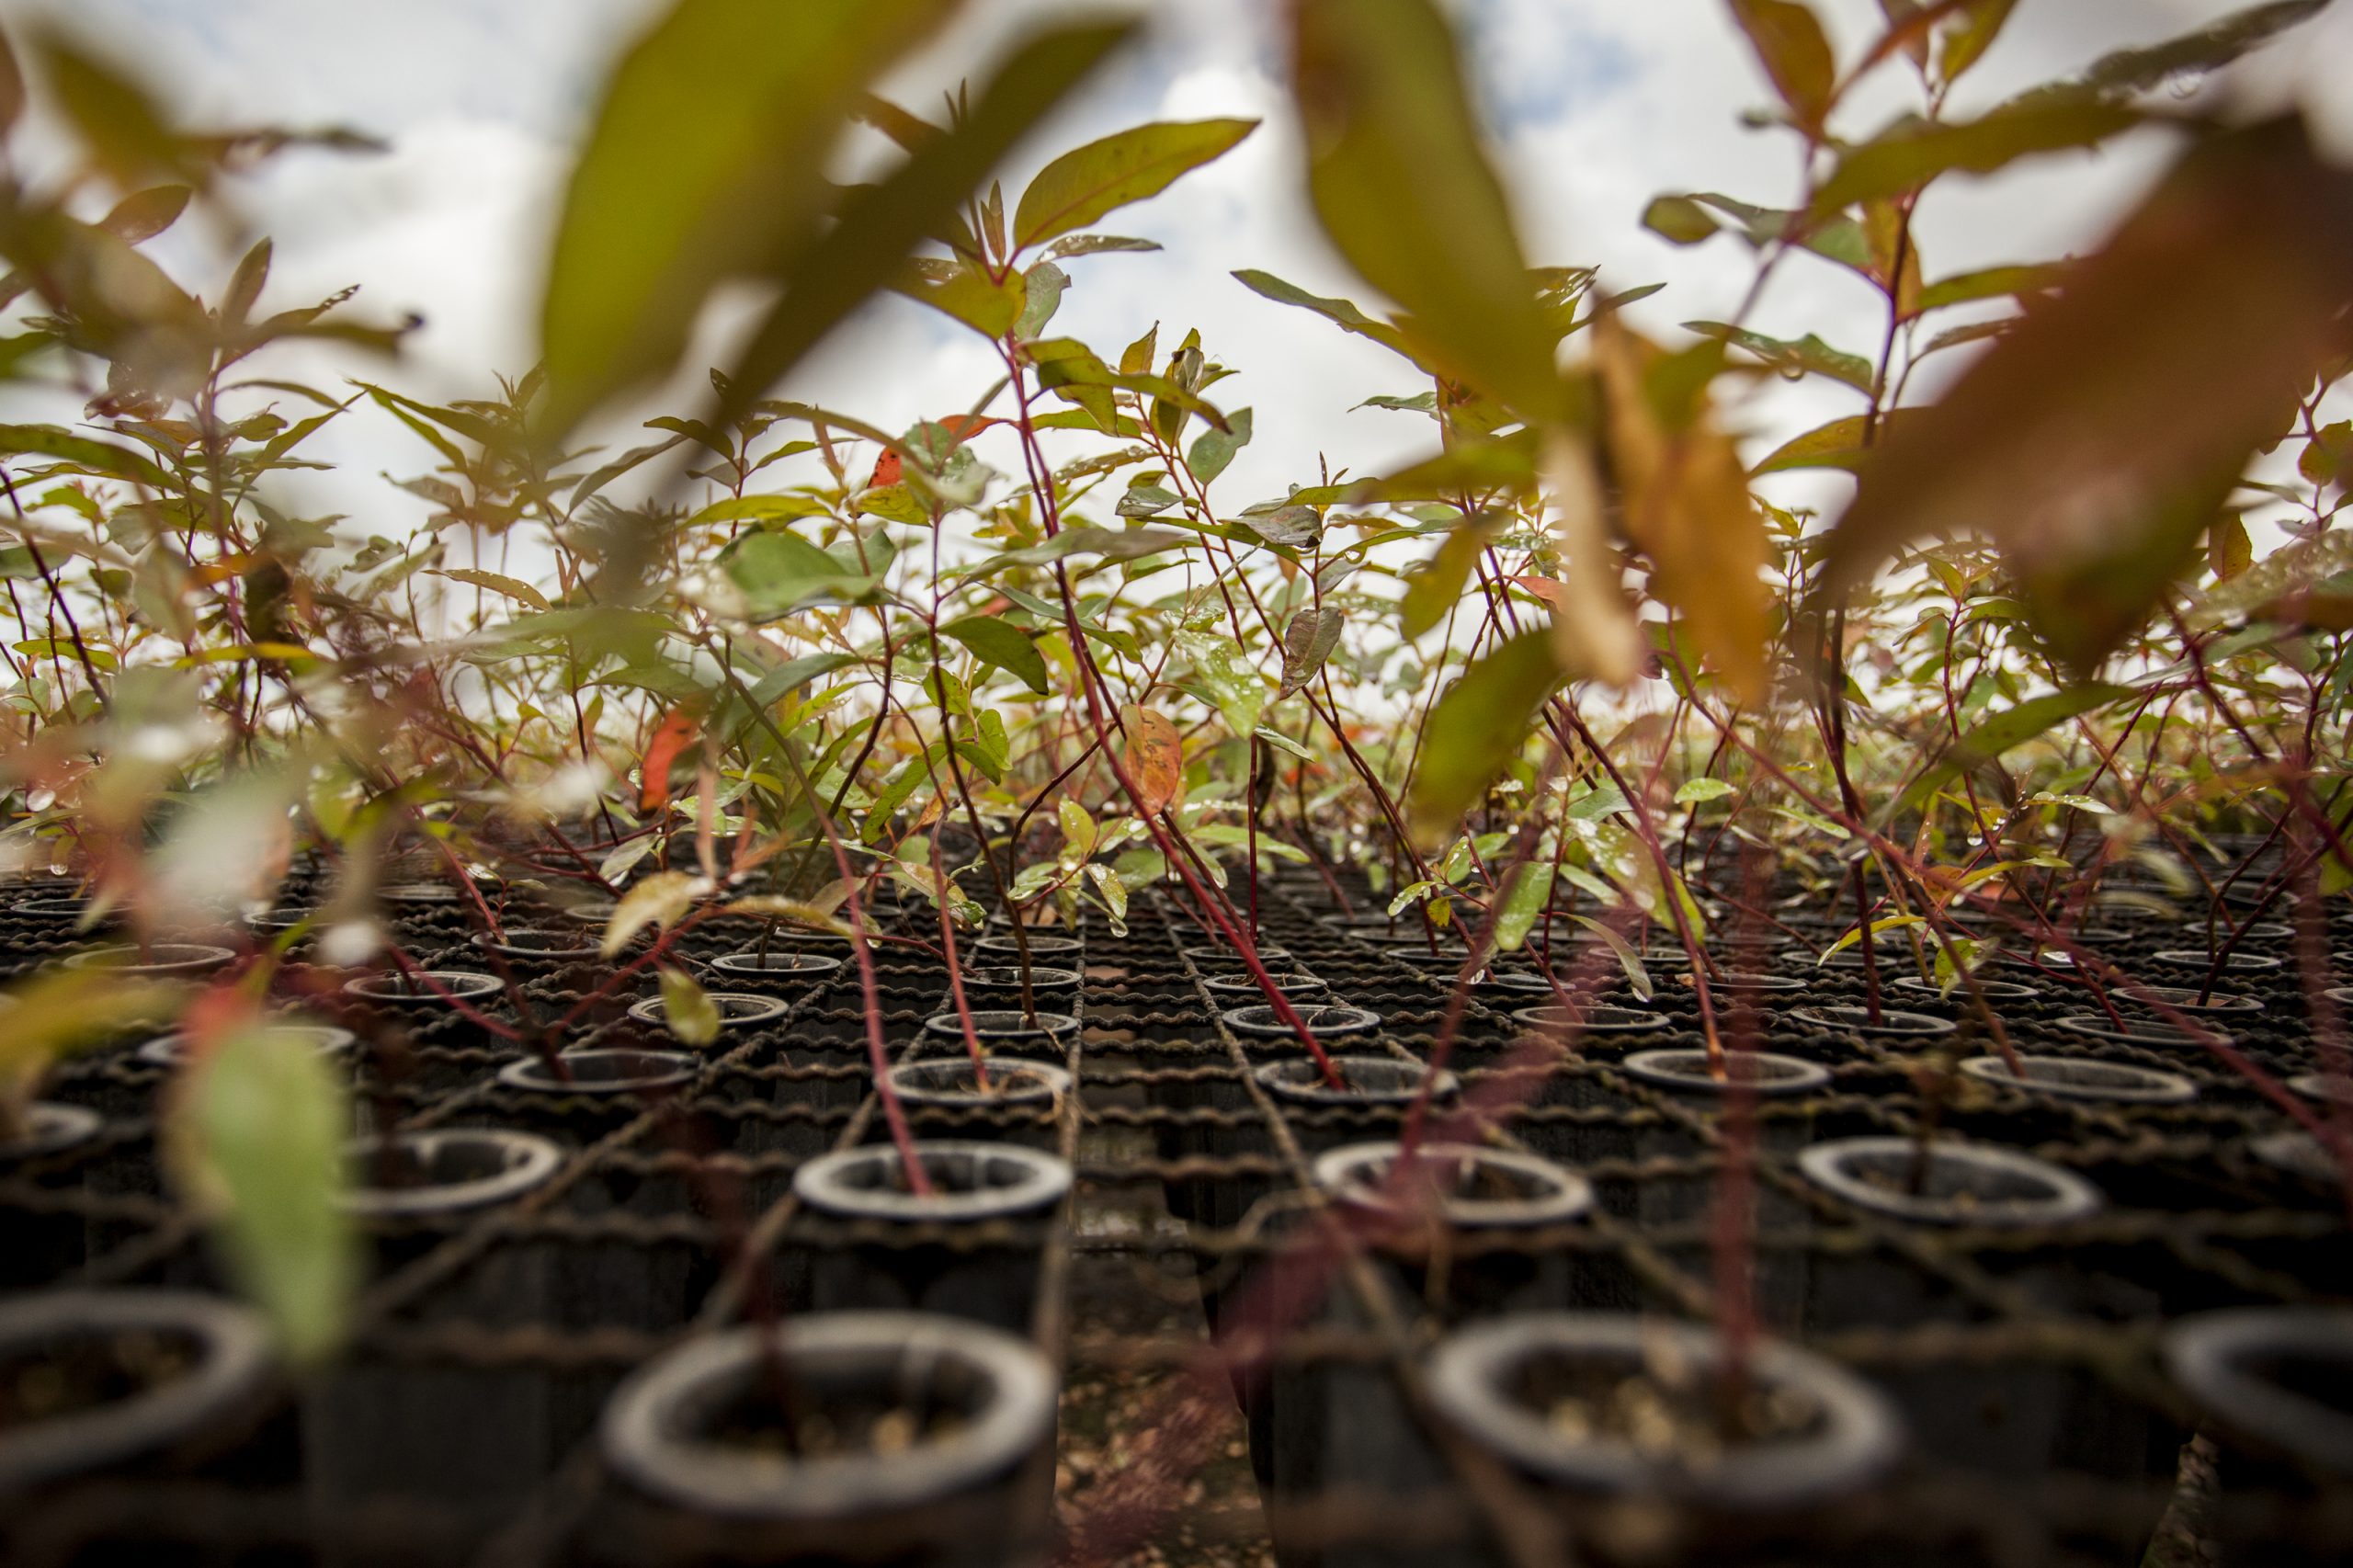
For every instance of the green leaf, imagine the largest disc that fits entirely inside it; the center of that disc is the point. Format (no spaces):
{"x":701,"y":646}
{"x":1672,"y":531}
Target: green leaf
{"x":963,"y":289}
{"x":795,"y":672}
{"x":1402,"y":189}
{"x":879,"y":226}
{"x":1969,"y":34}
{"x":511,"y":588}
{"x":996,"y":643}
{"x":2194,"y":53}
{"x":101,"y":457}
{"x":1112,"y":544}
{"x":1695,"y":790}
{"x":778,"y":571}
{"x":687,"y":1009}
{"x":1479,"y":726}
{"x":1043,"y":285}
{"x":2013,"y":727}
{"x":1839,"y":444}
{"x":1213,"y":450}
{"x":1339,"y":311}
{"x":1078,"y":829}
{"x":1790,"y":44}
{"x":1878,"y":928}
{"x":660,"y":901}
{"x":259,"y":1135}
{"x":1792,"y":359}
{"x":1129,"y":166}
{"x":1308,"y":642}
{"x":1912,"y":153}
{"x":1523,"y":900}
{"x":1435,"y":588}
{"x":1991,"y":283}
{"x":1678,"y":220}
{"x":706,"y":161}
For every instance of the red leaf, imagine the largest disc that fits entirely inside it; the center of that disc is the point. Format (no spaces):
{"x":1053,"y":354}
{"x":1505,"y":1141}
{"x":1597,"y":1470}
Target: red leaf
{"x":677,"y":733}
{"x":1544,"y":588}
{"x":886,"y":471}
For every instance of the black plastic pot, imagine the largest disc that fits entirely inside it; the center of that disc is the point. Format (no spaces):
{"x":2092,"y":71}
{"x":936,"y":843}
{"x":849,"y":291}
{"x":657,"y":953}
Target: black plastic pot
{"x":1961,"y":995}
{"x":603,"y":1071}
{"x":201,"y":1365}
{"x":2144,"y":1032}
{"x":2276,"y":1385}
{"x":167,"y":1049}
{"x":1963,"y":1184}
{"x":1331,"y":1422}
{"x":540,"y":944}
{"x":471,"y":1438}
{"x":2072,"y":1078}
{"x":1890,"y":1024}
{"x":1050,"y":949}
{"x":737,"y":1010}
{"x":38,"y":1246}
{"x":1297,"y":985}
{"x":1042,"y":1034}
{"x":2200,"y":960}
{"x":2181,"y":999}
{"x":954,"y":1081}
{"x":1326,"y":1019}
{"x":400,"y":989}
{"x":954,"y":1497}
{"x":1592,"y":1020}
{"x":1006,"y":981}
{"x":1504,"y":1385}
{"x":1692,"y":1078}
{"x":973,"y":1185}
{"x":159,"y":960}
{"x":784,"y":968}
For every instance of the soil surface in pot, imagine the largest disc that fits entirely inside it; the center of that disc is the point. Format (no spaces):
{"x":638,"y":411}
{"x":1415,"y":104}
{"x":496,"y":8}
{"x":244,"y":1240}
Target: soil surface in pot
{"x":1666,"y":1411}
{"x":88,"y":1371}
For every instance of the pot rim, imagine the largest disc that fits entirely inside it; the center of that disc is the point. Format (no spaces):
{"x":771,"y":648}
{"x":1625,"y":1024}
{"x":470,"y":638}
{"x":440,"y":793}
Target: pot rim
{"x":2070,"y":1196}
{"x":463,"y":985}
{"x":1913,"y":1026}
{"x":999,"y":1023}
{"x":2136,"y":1031}
{"x":1994,"y":990}
{"x":531,"y":1160}
{"x":165,"y":1050}
{"x":1298,"y":1079}
{"x":195,"y":957}
{"x":752,"y":962}
{"x":508,"y":948}
{"x":1049,"y":1082}
{"x":642,"y":1431}
{"x":1626,"y":1021}
{"x":664,"y":1069}
{"x":1343,"y":1173}
{"x":2138,"y":1085}
{"x":1039,"y":1181}
{"x":2206,"y":1354}
{"x":1671,"y":1068}
{"x":233,"y":1362}
{"x":1323,"y":1018}
{"x":1861,"y":1436}
{"x":2237,"y":962}
{"x":51,"y":1127}
{"x":996,"y":977}
{"x":752,"y":1010}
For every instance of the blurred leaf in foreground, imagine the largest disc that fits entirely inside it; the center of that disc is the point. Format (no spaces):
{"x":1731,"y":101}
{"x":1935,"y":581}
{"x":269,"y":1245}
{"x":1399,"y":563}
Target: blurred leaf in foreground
{"x":2097,"y":442}
{"x":259,"y":1128}
{"x":1403,"y":189}
{"x":707,"y":160}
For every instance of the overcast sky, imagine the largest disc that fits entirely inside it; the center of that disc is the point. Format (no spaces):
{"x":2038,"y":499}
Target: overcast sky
{"x":1594,"y":105}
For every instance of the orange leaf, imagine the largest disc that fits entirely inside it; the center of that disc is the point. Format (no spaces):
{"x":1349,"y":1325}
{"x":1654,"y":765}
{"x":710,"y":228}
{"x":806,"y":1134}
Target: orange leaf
{"x":677,"y":733}
{"x":1545,"y":588}
{"x":1155,"y":757}
{"x":887,"y":469}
